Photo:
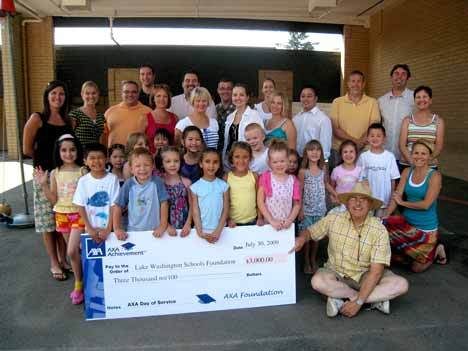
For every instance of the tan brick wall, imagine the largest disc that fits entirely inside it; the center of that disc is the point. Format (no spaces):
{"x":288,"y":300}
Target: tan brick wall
{"x":41,"y":60}
{"x":432,"y":37}
{"x":356,"y":51}
{"x":10,"y":113}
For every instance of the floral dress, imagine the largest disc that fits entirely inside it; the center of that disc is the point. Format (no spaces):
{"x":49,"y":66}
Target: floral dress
{"x":178,"y":204}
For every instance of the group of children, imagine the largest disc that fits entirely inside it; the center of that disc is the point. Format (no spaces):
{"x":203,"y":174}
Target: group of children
{"x":166,"y":189}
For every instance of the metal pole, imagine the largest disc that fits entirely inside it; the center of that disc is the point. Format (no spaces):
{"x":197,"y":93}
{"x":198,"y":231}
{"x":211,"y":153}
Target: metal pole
{"x":12,"y":77}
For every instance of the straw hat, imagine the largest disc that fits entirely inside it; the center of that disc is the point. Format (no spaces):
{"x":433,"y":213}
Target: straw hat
{"x":361,"y":189}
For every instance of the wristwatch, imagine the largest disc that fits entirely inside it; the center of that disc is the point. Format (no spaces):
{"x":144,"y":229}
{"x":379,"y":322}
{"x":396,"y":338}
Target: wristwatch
{"x":359,"y":302}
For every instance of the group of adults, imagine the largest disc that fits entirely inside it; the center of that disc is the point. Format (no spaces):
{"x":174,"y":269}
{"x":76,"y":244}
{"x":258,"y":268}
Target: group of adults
{"x":360,"y":275}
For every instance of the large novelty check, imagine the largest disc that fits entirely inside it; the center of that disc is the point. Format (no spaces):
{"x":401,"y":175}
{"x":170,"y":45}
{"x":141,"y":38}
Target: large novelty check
{"x":248,"y":267}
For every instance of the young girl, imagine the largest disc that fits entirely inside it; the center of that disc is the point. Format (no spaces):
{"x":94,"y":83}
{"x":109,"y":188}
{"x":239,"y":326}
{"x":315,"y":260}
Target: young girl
{"x":293,"y":162}
{"x":134,"y":140}
{"x":278,"y":197}
{"x":210,"y":197}
{"x":116,"y":156}
{"x":345,"y":176}
{"x":193,"y":144}
{"x":63,"y":182}
{"x":162,"y":138}
{"x":242,"y":187}
{"x":178,"y":190}
{"x":313,"y":177}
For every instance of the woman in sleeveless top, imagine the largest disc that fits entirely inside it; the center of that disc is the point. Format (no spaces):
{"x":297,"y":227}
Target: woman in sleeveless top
{"x":263,"y":107}
{"x":278,"y":126}
{"x":414,"y":235}
{"x":423,"y":124}
{"x":40,"y":134}
{"x":159,"y":117}
{"x":88,"y":123}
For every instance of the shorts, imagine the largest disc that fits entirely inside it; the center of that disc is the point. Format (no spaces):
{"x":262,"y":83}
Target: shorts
{"x":308,"y":221}
{"x":353,"y":284}
{"x":65,"y":222}
{"x":43,"y":214}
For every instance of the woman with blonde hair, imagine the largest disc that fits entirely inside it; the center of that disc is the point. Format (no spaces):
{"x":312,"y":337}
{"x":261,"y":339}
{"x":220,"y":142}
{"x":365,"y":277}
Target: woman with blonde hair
{"x":87,"y":122}
{"x":200,"y":99}
{"x":279,"y":126}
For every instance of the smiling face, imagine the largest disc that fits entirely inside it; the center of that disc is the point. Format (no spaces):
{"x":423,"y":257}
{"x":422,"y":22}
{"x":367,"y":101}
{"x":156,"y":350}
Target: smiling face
{"x":267,"y":89}
{"x":239,"y":97}
{"x":355,"y":84}
{"x":420,"y":155}
{"x":210,"y":163}
{"x":68,"y":152}
{"x":278,"y":161}
{"x":225,"y":92}
{"x":422,"y":100}
{"x":146,"y":76}
{"x":142,"y":167}
{"x":171,"y":162}
{"x":130,"y":94}
{"x":314,"y":154}
{"x":277,"y":106}
{"x":399,"y":79}
{"x":90,"y":95}
{"x":293,"y":163}
{"x":348,"y":155}
{"x":240,"y":159}
{"x":189,"y":83}
{"x":200,"y":104}
{"x":358,"y":206}
{"x":376,"y":137}
{"x":193,"y":142}
{"x":161,"y":99}
{"x":96,"y":161}
{"x":255,"y":138}
{"x":308,"y":99}
{"x":56,"y":98}
{"x":117,"y":158}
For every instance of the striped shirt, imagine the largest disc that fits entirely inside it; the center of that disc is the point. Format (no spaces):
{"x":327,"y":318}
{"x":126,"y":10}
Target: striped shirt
{"x":210,"y":134}
{"x":427,"y":132}
{"x":87,"y":130}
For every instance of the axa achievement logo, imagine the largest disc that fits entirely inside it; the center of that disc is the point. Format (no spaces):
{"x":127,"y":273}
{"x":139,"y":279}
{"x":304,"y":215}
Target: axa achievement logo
{"x":205,"y":299}
{"x":94,"y":249}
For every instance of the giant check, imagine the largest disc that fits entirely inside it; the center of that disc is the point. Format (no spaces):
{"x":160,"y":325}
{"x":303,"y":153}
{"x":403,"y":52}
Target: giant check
{"x":144,"y":276}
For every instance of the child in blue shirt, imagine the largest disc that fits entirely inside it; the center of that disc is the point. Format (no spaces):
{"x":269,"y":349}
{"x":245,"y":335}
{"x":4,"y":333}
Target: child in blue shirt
{"x":145,"y":197}
{"x":210,"y":198}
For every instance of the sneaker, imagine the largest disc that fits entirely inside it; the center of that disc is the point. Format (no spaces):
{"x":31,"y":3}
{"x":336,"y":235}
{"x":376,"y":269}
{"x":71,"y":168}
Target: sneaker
{"x":382,"y":306}
{"x":77,"y":297}
{"x":333,"y":306}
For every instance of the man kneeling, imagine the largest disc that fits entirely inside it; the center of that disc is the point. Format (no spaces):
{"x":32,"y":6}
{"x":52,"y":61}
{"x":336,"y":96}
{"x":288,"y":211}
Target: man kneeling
{"x":358,"y":251}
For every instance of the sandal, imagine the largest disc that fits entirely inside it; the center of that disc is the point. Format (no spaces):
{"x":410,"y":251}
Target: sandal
{"x":442,"y":260}
{"x":59,"y":275}
{"x":77,"y":297}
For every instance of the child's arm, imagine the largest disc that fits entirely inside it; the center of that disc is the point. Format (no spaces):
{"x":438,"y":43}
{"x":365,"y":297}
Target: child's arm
{"x":301,"y":185}
{"x":292,"y":216}
{"x":89,"y":228}
{"x":188,"y":223}
{"x":330,"y":188}
{"x":214,"y":237}
{"x":50,"y":192}
{"x":119,"y":232}
{"x":260,"y":220}
{"x":127,"y":173}
{"x":196,"y":216}
{"x":230,"y":222}
{"x":264,"y":211}
{"x":164,"y":214}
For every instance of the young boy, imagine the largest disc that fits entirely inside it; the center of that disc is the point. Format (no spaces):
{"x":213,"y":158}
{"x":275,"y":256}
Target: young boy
{"x":379,"y":167}
{"x":95,"y":194}
{"x":145,"y":196}
{"x":255,"y":136}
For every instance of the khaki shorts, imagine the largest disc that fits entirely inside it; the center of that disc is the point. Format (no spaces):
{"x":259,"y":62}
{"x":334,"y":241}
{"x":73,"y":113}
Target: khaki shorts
{"x":351,"y":282}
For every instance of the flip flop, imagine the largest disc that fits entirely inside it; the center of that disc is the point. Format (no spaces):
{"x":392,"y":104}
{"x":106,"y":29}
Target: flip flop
{"x":68,"y":269}
{"x":59,"y":276}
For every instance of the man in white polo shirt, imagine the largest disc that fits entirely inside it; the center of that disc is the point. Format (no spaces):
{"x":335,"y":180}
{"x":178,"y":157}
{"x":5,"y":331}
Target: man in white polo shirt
{"x":180,"y":104}
{"x":311,"y":123}
{"x":396,"y":105}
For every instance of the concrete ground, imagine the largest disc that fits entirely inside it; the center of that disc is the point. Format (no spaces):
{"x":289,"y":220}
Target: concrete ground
{"x":35,"y":312}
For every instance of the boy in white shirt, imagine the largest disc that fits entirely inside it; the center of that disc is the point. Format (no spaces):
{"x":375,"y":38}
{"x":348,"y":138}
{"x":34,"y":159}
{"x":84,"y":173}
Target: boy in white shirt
{"x":379,"y":167}
{"x":255,"y":136}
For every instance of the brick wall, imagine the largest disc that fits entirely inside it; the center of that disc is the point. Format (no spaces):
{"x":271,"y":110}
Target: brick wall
{"x":40,"y":54}
{"x":432,"y":37}
{"x":356,"y":51}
